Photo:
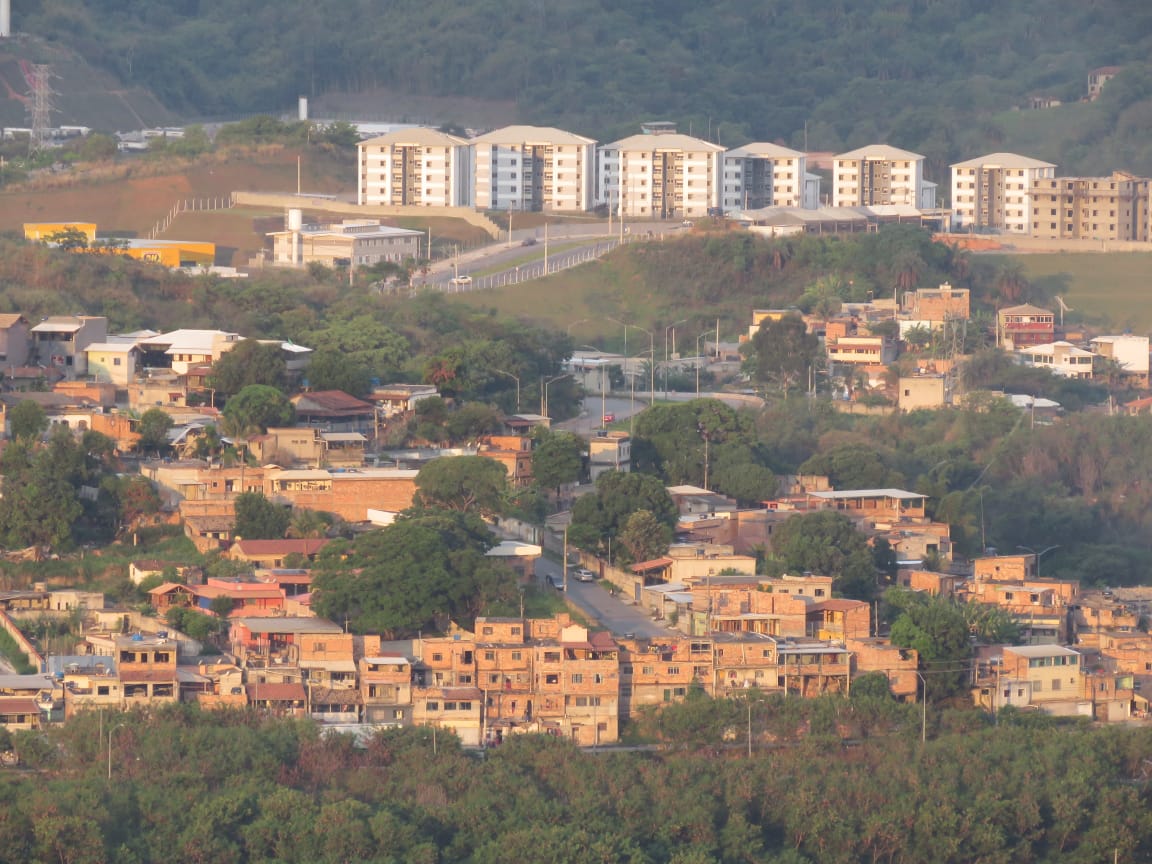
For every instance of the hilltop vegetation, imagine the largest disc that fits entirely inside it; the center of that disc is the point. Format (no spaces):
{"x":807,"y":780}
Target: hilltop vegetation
{"x":926,"y":74}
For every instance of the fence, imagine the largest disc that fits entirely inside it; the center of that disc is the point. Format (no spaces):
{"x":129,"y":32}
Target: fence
{"x":187,"y":205}
{"x":520,"y":273}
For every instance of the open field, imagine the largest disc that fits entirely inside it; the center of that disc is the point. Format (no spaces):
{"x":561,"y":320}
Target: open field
{"x":577,"y":300}
{"x":1106,"y":289}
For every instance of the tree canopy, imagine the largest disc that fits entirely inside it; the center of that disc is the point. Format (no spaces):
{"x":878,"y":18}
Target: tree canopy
{"x":255,"y":408}
{"x":827,"y":543}
{"x":257,"y":518}
{"x":606,"y":513}
{"x":418,"y":573}
{"x":466,"y":484}
{"x":250,"y":362}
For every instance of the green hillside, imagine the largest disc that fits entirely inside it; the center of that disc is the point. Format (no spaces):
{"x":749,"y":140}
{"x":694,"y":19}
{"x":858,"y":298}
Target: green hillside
{"x":933,"y":75}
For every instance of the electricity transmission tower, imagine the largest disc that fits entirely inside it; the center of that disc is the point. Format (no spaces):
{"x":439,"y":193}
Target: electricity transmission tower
{"x":40,"y":105}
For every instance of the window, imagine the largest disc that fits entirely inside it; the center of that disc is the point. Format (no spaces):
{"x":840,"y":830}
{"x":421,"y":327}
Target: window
{"x":489,"y":655}
{"x":398,"y":714}
{"x":516,"y":654}
{"x":648,"y":670}
{"x":162,"y":656}
{"x":465,"y":706}
{"x":449,"y":706}
{"x":487,"y":631}
{"x":552,"y":679}
{"x":436,"y":658}
{"x":115,"y":361}
{"x":577,"y":678}
{"x":551,"y":656}
{"x":515,"y":631}
{"x":673,"y":670}
{"x":433,"y":706}
{"x":463,"y":679}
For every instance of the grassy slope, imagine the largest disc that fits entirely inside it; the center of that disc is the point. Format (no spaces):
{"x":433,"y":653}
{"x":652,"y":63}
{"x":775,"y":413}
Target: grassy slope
{"x":1103,"y":289}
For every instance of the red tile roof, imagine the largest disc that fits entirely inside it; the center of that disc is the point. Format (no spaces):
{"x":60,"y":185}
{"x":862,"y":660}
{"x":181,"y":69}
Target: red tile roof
{"x":329,"y":402}
{"x":287,"y":692}
{"x":654,"y":564}
{"x":18,"y":705}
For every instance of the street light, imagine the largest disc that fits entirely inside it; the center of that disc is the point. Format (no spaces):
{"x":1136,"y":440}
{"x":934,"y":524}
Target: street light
{"x":515,"y":378}
{"x":544,"y":393}
{"x":923,"y":707}
{"x":632,"y":379}
{"x":698,"y":358}
{"x":568,"y":329}
{"x":651,"y":349}
{"x":667,"y":330}
{"x":1037,"y":555}
{"x":110,"y":733}
{"x":603,"y":387}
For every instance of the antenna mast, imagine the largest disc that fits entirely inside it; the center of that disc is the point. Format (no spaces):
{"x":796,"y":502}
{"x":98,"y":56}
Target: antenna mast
{"x":41,"y":105}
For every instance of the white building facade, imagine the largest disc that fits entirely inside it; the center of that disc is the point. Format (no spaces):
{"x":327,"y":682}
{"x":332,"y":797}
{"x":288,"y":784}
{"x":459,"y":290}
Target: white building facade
{"x":995,"y":191}
{"x":666,"y":176}
{"x":533,"y":168}
{"x":877,"y":175}
{"x":765,"y":175}
{"x":415,"y":168}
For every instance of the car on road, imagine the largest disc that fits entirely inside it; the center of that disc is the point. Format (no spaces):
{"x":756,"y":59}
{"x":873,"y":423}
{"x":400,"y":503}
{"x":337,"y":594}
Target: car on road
{"x":609,"y":418}
{"x":583,"y":574}
{"x":461,"y":281}
{"x":528,"y":241}
{"x":556,"y":582}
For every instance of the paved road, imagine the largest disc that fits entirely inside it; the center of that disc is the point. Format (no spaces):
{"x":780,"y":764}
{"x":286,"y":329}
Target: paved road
{"x":590,"y":418}
{"x":592,"y":598}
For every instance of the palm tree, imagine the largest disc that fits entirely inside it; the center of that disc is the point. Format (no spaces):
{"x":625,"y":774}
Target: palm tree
{"x":1012,"y":285}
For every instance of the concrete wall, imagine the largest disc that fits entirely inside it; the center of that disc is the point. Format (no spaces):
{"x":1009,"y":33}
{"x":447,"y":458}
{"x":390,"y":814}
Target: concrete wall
{"x":344,"y":208}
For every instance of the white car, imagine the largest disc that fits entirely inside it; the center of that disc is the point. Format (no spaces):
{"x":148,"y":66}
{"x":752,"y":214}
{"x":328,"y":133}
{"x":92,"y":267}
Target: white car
{"x":583,"y":574}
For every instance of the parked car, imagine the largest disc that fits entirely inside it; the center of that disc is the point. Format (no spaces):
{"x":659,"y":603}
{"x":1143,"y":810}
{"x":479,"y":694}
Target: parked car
{"x":556,"y":582}
{"x":528,"y":241}
{"x":461,"y":281}
{"x":583,"y":574}
{"x":609,"y":418}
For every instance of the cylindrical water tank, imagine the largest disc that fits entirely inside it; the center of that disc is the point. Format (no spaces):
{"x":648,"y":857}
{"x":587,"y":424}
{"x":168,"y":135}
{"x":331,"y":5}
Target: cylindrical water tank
{"x":302,"y":108}
{"x":295,"y":219}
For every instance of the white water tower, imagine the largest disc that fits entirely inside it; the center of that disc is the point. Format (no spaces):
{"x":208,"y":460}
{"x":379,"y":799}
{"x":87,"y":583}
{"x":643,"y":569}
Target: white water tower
{"x":5,"y":18}
{"x":301,"y":106}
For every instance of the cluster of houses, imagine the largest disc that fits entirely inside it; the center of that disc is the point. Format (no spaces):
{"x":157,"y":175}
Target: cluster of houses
{"x":1033,"y":336}
{"x":728,"y":630}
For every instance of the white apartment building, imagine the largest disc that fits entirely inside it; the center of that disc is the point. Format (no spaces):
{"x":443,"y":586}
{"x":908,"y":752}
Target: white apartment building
{"x":416,"y":168}
{"x":666,"y":176}
{"x":995,"y":191}
{"x":764,"y":175}
{"x":533,"y":168}
{"x":880,"y":174}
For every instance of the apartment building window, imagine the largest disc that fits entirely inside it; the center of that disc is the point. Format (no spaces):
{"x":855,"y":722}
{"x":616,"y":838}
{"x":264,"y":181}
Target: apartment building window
{"x":464,"y":679}
{"x":648,"y":670}
{"x":436,"y":658}
{"x":577,"y":678}
{"x":516,"y":655}
{"x":489,"y":655}
{"x":673,"y":670}
{"x":551,"y":656}
{"x":433,"y":706}
{"x":449,"y":706}
{"x":493,"y":679}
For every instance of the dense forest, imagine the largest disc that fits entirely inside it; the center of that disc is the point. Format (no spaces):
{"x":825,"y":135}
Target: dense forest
{"x":181,"y":786}
{"x":931,"y":75}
